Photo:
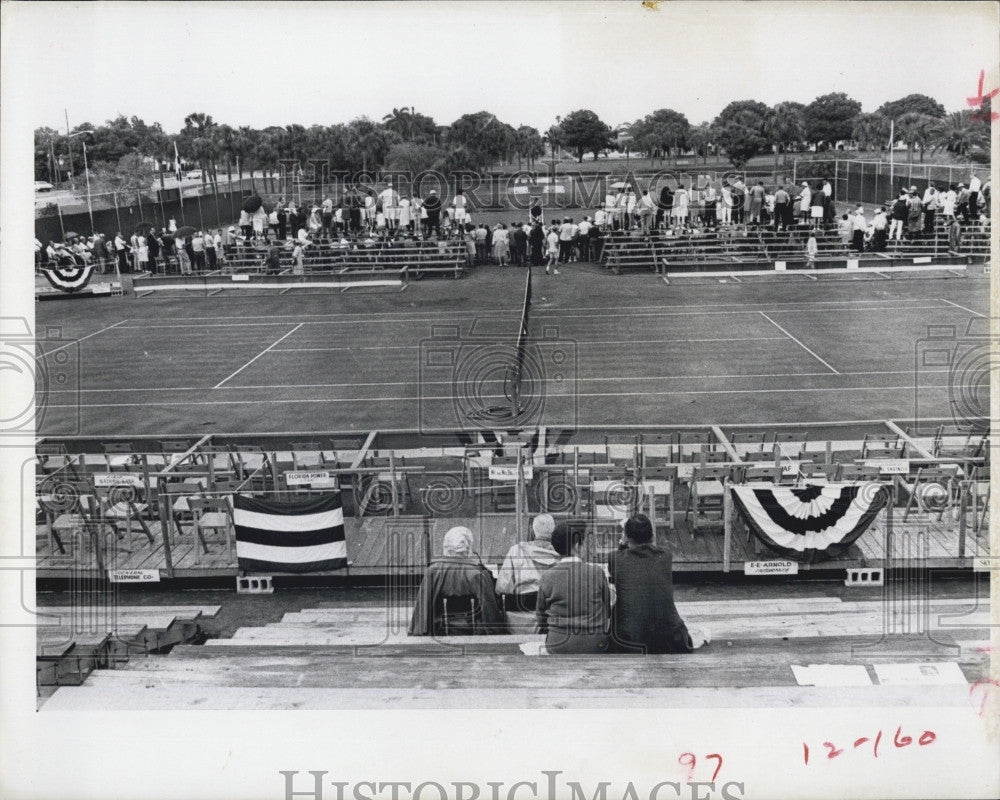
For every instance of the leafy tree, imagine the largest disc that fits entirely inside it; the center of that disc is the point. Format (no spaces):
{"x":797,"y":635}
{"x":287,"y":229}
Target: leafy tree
{"x":415,"y":158}
{"x":785,"y":127}
{"x":663,"y":132}
{"x":478,"y":140}
{"x":830,"y":118}
{"x":741,"y":130}
{"x":960,"y":134}
{"x":871,"y":131}
{"x":701,"y":139}
{"x":410,"y":125}
{"x":912,"y":103}
{"x":583,"y":131}
{"x":130,"y":174}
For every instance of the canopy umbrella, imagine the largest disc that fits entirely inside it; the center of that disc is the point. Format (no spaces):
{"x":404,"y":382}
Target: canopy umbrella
{"x":619,"y":185}
{"x":252,"y":203}
{"x":145,"y":226}
{"x":268,"y":207}
{"x":185,"y":230}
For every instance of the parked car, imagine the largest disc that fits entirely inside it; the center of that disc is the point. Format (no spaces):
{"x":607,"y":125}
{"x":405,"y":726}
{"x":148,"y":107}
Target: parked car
{"x":43,"y":186}
{"x":194,"y":174}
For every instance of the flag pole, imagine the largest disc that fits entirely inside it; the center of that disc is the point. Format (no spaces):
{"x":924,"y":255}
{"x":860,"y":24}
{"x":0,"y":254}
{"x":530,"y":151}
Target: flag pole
{"x":892,"y":163}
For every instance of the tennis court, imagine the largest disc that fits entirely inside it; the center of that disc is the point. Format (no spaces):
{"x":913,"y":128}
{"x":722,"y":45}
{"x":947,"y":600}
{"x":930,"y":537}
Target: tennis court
{"x":602,"y":350}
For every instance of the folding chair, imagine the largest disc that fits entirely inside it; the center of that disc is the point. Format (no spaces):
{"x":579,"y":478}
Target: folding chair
{"x":858,"y":473}
{"x":752,"y":474}
{"x":706,"y":492}
{"x":659,"y":487}
{"x":882,"y":445}
{"x":55,"y":457}
{"x":456,"y":615}
{"x":819,"y":474}
{"x":306,"y":454}
{"x":958,"y":444}
{"x":118,"y":454}
{"x":793,"y":444}
{"x":179,"y":494}
{"x":612,"y":502}
{"x":707,"y":455}
{"x":694,"y":441}
{"x":120,"y":507}
{"x":933,"y":489}
{"x":212,"y":514}
{"x":747,"y":442}
{"x":62,"y":512}
{"x":623,"y":450}
{"x":657,"y":448}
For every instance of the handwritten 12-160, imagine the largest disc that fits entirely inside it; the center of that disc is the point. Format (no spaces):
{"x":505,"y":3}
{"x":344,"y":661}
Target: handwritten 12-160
{"x":898,"y":740}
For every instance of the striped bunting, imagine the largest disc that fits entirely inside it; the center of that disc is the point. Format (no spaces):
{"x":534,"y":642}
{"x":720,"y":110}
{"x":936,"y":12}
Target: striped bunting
{"x":68,"y":279}
{"x":809,"y":523}
{"x":289,"y":537}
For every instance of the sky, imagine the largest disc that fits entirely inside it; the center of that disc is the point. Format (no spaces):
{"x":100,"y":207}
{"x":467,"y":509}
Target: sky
{"x":263,"y":64}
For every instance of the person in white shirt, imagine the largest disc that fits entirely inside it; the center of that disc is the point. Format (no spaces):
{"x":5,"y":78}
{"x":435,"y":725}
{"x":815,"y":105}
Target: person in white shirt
{"x":680,"y":207}
{"x":805,"y":201}
{"x":931,"y":203}
{"x":859,"y":226}
{"x":975,"y":187}
{"x":121,"y":251}
{"x":553,"y":250}
{"x":403,"y":218}
{"x":583,"y":239}
{"x":390,"y":206}
{"x":142,"y":254}
{"x":725,"y":208}
{"x":601,"y":218}
{"x":298,"y":258}
{"x":812,"y":248}
{"x":459,"y":205}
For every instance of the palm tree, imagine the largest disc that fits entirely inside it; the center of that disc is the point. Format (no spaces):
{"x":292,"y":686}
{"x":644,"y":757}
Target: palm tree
{"x":915,"y":129}
{"x":400,"y":121}
{"x":785,"y":126}
{"x":958,"y":133}
{"x":871,"y":130}
{"x":701,"y":139}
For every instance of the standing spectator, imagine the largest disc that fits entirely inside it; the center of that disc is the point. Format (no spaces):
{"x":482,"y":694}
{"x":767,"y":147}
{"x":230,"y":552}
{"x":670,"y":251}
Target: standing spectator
{"x":184,"y":256}
{"x":756,"y":202}
{"x":986,"y":191}
{"x":142,"y":254}
{"x":680,"y":207}
{"x":899,"y":214}
{"x":153,"y":245}
{"x":914,"y":213}
{"x":584,"y":239}
{"x":432,"y":205}
{"x":501,"y":244}
{"x":812,"y":248}
{"x":782,"y":201}
{"x":246,"y":224}
{"x":954,"y":236}
{"x":817,"y":211}
{"x":859,"y":226}
{"x":962,"y":203}
{"x":947,"y":201}
{"x":879,"y":228}
{"x":459,"y":205}
{"x":404,"y":221}
{"x":645,"y":207}
{"x":805,"y":201}
{"x":121,"y":252}
{"x":479,"y":234}
{"x":739,"y":201}
{"x":828,"y":202}
{"x":519,"y":245}
{"x":282,"y":219}
{"x":665,"y":206}
{"x":596,"y":243}
{"x":725,"y":208}
{"x":198,"y":250}
{"x":931,"y":203}
{"x":272,"y":262}
{"x":298,"y":259}
{"x":553,"y":250}
{"x":975,"y":187}
{"x":327,"y":215}
{"x":536,"y":244}
{"x":565,"y":240}
{"x":211,"y":255}
{"x":711,"y":205}
{"x":217,"y":246}
{"x":535,"y":212}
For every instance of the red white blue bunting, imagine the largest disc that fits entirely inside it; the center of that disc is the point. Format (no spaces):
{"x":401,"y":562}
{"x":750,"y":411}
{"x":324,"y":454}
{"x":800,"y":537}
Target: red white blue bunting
{"x":68,"y":279}
{"x":809,"y":523}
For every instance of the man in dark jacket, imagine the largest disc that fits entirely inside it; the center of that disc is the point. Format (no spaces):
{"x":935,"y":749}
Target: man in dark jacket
{"x":432,"y":205}
{"x":519,"y":246}
{"x":536,"y":242}
{"x":645,"y":619}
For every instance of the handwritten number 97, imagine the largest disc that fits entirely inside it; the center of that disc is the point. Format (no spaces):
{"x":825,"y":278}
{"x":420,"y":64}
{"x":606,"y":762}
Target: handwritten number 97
{"x":688,"y":760}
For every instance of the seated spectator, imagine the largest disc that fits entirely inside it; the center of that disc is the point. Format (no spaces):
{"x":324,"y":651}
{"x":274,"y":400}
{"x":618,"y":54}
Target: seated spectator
{"x":574,"y":600}
{"x":645,"y":617}
{"x":523,"y":567}
{"x":460,"y":579}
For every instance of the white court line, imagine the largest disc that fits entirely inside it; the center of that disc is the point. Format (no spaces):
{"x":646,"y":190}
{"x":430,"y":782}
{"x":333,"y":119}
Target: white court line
{"x":348,"y":347}
{"x":552,"y":398}
{"x":503,"y":311}
{"x":541,"y":315}
{"x":262,"y":352}
{"x":77,"y":341}
{"x":598,"y":379}
{"x":810,"y":352}
{"x":963,"y":308}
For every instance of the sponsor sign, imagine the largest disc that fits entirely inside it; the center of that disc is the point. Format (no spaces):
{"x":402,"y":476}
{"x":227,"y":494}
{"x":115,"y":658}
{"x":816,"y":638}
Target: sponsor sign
{"x":104,"y":480}
{"x":776,"y":567}
{"x":100,"y":288}
{"x":309,"y":478}
{"x":509,"y":473}
{"x":240,"y":277}
{"x":134,"y":575}
{"x":890,"y":466}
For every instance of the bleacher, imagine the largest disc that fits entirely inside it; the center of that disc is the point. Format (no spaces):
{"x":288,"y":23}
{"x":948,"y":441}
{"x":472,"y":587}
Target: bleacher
{"x":341,"y":655}
{"x":736,"y":249}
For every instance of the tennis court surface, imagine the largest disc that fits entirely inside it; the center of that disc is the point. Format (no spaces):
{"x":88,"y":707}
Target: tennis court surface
{"x":603,"y":350}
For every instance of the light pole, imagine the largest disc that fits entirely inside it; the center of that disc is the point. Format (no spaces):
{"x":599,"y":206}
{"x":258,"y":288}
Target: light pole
{"x":86,"y":171}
